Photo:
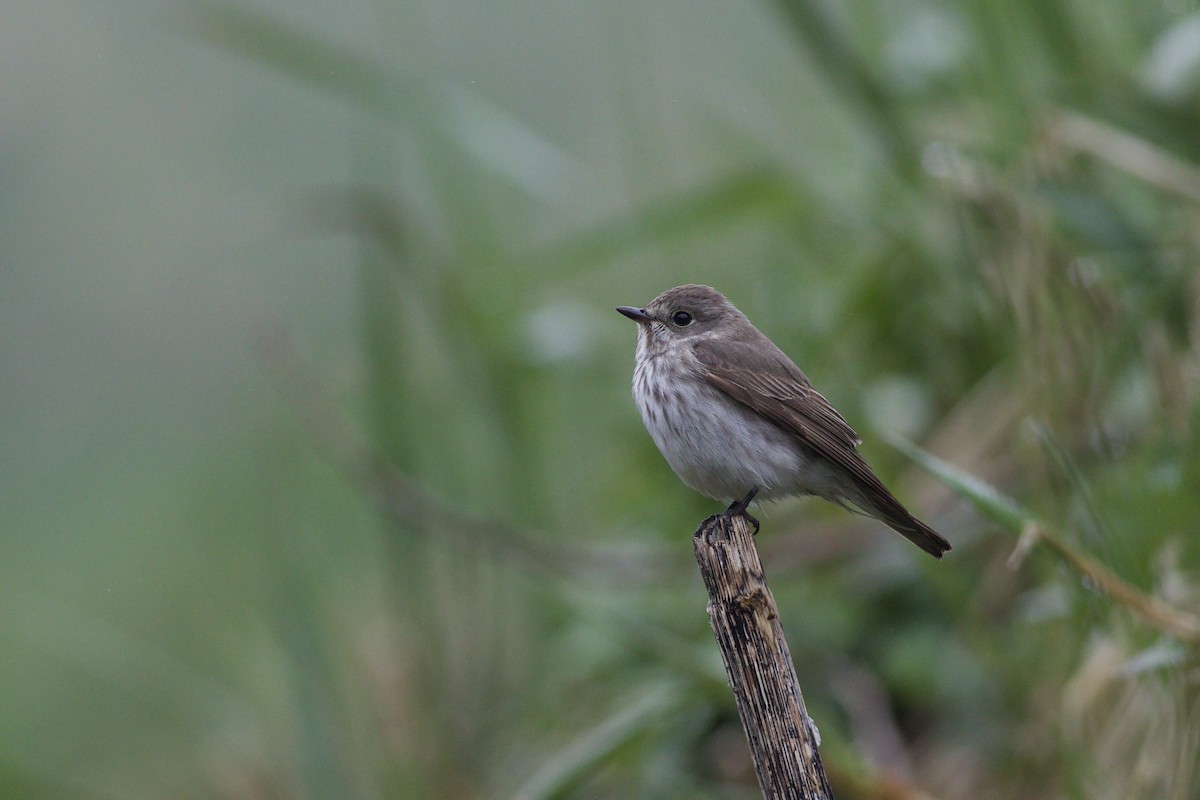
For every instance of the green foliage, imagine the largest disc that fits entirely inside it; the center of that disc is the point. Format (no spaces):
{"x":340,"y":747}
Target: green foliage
{"x":452,"y":565}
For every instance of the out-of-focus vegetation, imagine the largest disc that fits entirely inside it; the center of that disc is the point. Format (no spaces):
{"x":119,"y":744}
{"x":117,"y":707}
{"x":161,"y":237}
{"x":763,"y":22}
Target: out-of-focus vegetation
{"x":320,"y":474}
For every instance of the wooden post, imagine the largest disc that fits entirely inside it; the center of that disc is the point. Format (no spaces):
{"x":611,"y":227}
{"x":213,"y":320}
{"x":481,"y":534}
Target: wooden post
{"x":783,"y":739}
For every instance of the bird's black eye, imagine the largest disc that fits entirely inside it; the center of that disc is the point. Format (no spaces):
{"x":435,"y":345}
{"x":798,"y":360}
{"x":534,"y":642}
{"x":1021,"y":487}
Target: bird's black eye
{"x":682,"y":319}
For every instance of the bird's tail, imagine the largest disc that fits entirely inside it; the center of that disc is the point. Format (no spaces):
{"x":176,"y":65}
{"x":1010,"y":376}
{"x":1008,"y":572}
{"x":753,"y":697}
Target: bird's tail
{"x":918,"y":533}
{"x":875,"y":500}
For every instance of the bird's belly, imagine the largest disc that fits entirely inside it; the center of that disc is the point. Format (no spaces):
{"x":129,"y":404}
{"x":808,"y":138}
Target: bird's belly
{"x":723,"y":449}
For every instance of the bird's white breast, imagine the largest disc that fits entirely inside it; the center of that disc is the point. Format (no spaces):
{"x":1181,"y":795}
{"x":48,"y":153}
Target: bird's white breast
{"x":714,"y":444}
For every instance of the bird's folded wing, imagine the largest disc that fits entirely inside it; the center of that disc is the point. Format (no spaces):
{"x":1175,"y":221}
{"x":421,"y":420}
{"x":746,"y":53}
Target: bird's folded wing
{"x":769,"y":383}
{"x":761,"y":377}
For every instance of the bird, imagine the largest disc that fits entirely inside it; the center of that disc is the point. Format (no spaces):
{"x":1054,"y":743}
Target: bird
{"x":737,"y":420}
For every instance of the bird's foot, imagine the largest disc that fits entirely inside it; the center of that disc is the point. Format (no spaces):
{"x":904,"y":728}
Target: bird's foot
{"x":740,"y":508}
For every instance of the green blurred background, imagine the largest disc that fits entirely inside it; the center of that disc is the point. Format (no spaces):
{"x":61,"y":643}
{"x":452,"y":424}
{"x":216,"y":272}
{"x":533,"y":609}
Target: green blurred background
{"x":319,"y":473}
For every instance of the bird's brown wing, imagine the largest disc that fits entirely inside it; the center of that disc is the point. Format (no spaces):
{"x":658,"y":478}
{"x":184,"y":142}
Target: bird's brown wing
{"x":760,"y":376}
{"x":766,"y":380}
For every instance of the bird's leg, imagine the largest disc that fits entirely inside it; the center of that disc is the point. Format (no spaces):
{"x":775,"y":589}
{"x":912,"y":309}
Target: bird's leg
{"x":741,"y":507}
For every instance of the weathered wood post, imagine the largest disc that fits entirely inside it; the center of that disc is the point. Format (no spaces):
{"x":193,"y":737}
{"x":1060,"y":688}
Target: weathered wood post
{"x":783,"y":739}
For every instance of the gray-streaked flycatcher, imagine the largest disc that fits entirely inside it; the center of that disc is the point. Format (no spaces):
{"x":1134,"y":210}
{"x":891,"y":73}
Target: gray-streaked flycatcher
{"x":736,"y":418}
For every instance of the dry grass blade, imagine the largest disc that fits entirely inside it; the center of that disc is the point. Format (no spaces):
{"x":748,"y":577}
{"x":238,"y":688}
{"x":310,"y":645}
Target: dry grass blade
{"x":995,"y":505}
{"x":1163,"y":616}
{"x":1126,"y":151}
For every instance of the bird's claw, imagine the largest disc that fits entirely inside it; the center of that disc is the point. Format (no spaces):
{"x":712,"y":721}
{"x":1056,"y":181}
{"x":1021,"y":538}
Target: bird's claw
{"x":741,"y":508}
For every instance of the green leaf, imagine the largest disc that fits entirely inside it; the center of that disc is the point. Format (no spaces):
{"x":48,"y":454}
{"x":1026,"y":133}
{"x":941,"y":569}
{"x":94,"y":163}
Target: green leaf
{"x":986,"y":499}
{"x":590,"y":749}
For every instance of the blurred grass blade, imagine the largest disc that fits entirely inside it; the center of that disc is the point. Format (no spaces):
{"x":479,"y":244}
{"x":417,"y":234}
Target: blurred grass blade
{"x":1079,"y":484}
{"x":845,"y":69}
{"x":590,"y":750}
{"x":986,"y":499}
{"x":1161,"y":656}
{"x":298,"y":54}
{"x":723,"y":203}
{"x":997,"y":506}
{"x":472,"y":124}
{"x":509,"y":146}
{"x":1123,"y":150}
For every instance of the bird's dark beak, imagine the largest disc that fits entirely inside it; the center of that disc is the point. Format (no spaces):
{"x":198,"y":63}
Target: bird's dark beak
{"x":635,"y":314}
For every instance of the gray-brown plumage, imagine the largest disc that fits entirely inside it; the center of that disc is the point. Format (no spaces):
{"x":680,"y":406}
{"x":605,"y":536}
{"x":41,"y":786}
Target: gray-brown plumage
{"x":736,"y":418}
